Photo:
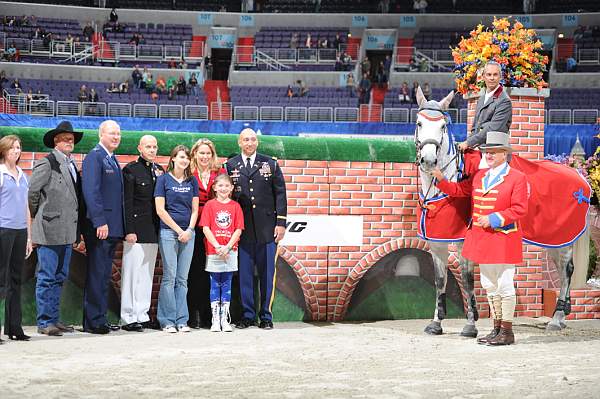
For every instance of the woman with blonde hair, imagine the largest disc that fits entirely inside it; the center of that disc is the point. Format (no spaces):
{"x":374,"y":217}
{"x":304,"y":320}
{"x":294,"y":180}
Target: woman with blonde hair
{"x":176,"y":198}
{"x":15,"y":235}
{"x":205,"y":168}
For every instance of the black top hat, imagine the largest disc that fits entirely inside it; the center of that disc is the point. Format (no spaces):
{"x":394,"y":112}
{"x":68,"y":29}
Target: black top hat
{"x":63,"y":127}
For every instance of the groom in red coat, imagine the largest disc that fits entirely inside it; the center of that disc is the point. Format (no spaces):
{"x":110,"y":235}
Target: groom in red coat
{"x":499,"y":198}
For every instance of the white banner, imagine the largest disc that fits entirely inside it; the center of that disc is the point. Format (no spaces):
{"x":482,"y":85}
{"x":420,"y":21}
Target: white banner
{"x":323,"y":230}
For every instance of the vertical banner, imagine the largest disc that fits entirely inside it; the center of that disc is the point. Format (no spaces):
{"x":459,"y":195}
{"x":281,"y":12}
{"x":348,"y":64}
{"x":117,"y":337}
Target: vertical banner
{"x":526,"y":20}
{"x":569,"y":20}
{"x":408,"y":21}
{"x":360,"y":21}
{"x":205,"y":19}
{"x":246,"y":20}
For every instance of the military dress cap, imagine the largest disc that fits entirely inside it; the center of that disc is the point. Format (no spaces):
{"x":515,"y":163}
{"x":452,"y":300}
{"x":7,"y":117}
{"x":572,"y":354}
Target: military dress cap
{"x":63,"y":127}
{"x":496,"y":141}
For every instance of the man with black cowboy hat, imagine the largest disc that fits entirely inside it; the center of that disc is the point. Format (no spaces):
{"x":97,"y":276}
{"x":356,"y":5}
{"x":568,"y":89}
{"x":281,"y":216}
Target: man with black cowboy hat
{"x":494,"y":238}
{"x":54,"y":200}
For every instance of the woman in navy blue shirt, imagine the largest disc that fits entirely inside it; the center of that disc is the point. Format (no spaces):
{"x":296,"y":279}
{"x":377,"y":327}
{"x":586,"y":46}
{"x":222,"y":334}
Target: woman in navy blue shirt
{"x":176,"y":197}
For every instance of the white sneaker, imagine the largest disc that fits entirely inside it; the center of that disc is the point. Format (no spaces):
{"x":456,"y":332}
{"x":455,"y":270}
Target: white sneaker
{"x":216,"y":320}
{"x":170,"y":329}
{"x":183,"y":328}
{"x":226,"y":318}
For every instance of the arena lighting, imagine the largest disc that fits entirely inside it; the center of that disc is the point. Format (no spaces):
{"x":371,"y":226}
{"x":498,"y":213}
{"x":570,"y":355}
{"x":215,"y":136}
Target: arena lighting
{"x":561,"y":35}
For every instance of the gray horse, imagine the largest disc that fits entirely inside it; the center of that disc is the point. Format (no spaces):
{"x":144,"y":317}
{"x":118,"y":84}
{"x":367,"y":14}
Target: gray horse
{"x":435,"y":148}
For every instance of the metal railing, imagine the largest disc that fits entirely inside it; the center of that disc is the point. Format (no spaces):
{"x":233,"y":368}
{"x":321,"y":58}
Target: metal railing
{"x":170,"y":111}
{"x":268,"y":113}
{"x":320,"y":114}
{"x":93,"y":109}
{"x":68,"y":108}
{"x":220,"y":111}
{"x":346,"y":114}
{"x":296,"y":114}
{"x":559,"y":116}
{"x":107,"y":50}
{"x":145,"y":110}
{"x":199,"y":112}
{"x":585,"y":116}
{"x":43,"y":106}
{"x":251,"y":55}
{"x":119,"y":109}
{"x":588,"y":56}
{"x":395,"y":115}
{"x":245,"y":113}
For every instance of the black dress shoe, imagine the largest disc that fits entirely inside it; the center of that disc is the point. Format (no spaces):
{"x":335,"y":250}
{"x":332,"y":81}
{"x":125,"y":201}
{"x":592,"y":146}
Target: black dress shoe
{"x":266,"y":324}
{"x":64,"y":328}
{"x":19,"y":337}
{"x":245,"y":323}
{"x":113,"y":327}
{"x":195,"y":324}
{"x":153,"y":325}
{"x":137,"y":327}
{"x":97,"y":330}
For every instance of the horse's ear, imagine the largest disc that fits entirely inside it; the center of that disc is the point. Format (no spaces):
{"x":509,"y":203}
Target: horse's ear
{"x":445,"y":103}
{"x":421,"y":100}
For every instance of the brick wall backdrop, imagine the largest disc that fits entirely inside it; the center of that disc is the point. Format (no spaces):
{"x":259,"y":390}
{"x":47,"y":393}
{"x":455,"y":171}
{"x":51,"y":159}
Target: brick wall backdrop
{"x":385,"y":195}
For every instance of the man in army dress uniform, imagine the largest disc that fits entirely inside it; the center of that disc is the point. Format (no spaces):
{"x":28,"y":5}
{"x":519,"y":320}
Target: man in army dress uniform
{"x":260,"y":190}
{"x":141,"y":235}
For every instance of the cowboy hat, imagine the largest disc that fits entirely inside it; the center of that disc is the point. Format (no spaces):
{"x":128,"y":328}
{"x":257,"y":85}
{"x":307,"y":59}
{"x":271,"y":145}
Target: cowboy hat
{"x":63,"y":127}
{"x":496,"y":141}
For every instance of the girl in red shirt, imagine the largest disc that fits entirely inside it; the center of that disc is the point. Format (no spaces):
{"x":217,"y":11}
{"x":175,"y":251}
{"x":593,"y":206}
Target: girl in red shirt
{"x":222,"y":221}
{"x":205,"y":168}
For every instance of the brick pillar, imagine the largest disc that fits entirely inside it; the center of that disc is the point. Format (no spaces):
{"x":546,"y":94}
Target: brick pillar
{"x":527,"y":139}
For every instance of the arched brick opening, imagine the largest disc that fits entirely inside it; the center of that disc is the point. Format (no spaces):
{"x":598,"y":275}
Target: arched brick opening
{"x":371,"y":258}
{"x":306,"y":284}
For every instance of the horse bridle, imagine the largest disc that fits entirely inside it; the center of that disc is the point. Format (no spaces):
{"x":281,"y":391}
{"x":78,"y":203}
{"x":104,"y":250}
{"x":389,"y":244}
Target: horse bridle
{"x":438,"y":145}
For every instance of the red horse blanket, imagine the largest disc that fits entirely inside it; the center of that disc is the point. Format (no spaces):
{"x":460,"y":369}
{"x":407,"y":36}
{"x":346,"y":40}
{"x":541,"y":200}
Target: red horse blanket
{"x":559,"y":201}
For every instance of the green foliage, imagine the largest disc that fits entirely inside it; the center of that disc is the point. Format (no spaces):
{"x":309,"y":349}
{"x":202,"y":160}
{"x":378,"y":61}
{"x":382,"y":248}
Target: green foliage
{"x":283,"y":147}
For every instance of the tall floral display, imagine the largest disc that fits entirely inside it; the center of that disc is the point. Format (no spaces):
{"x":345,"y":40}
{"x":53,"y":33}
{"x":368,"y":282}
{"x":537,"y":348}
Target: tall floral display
{"x":516,"y":49}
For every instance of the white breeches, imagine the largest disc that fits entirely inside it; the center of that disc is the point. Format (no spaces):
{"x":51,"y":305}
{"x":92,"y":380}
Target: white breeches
{"x":137,"y":274}
{"x":498,"y":279}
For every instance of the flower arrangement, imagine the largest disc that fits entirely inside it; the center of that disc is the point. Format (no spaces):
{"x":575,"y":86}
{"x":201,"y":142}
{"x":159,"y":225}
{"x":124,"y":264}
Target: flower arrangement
{"x":589,"y":168}
{"x":516,"y":49}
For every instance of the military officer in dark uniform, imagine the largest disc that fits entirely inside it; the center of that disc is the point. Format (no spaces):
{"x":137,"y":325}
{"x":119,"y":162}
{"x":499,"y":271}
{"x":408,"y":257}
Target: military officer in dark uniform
{"x":259,"y":188}
{"x":141,"y":236}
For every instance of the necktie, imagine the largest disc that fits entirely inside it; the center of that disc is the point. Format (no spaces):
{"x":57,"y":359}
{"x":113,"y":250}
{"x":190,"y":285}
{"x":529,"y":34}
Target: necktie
{"x":248,"y":165}
{"x":73,"y":170}
{"x":115,"y":162}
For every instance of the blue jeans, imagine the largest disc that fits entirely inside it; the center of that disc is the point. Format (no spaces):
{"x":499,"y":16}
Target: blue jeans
{"x":220,"y":286}
{"x":53,"y":270}
{"x":172,"y":298}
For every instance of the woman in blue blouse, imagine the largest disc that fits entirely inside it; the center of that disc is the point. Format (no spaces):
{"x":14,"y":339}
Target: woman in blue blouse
{"x":176,"y":197}
{"x":15,"y":239}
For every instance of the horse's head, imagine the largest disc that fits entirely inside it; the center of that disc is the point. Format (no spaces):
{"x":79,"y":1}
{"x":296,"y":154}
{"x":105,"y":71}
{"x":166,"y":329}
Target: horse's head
{"x":431,"y":133}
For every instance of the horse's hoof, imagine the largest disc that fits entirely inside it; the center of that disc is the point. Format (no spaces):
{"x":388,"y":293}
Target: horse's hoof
{"x":434,"y":328}
{"x":563,"y":324}
{"x":553,"y":327}
{"x":469,"y":331}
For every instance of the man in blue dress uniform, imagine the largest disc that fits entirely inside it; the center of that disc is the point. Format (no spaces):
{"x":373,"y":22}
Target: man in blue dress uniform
{"x":102,"y":184}
{"x":260,"y":190}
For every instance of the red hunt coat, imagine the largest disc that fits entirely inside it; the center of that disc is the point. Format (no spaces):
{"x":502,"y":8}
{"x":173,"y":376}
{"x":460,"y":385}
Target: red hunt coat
{"x":504,"y":199}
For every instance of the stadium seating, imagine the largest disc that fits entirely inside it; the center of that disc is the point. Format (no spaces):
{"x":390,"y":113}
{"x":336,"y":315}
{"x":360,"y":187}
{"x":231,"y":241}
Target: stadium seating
{"x":350,"y":6}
